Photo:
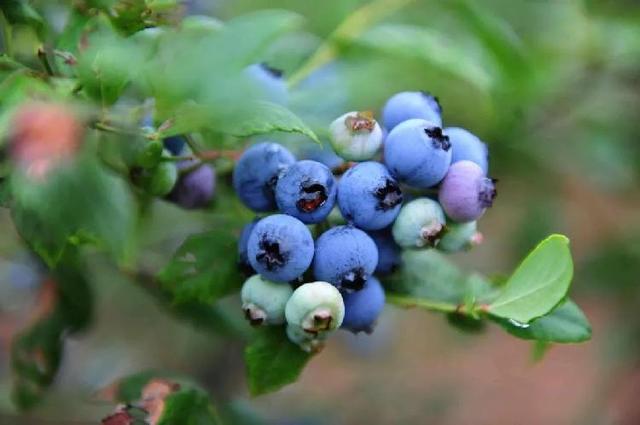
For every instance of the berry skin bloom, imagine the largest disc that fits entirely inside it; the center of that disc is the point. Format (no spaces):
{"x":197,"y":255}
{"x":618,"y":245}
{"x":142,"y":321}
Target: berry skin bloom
{"x":315,"y":307}
{"x":355,"y":136}
{"x":195,"y":189}
{"x":408,"y":105}
{"x":420,"y":224}
{"x":280,"y":248}
{"x":345,"y":257}
{"x":263,"y":301}
{"x":388,"y":251}
{"x":269,"y":81}
{"x":362,"y":308}
{"x":417,"y":153}
{"x":466,"y":146}
{"x":256,"y":174}
{"x":369,"y":196}
{"x":306,"y":191}
{"x":243,"y":256}
{"x":466,"y":192}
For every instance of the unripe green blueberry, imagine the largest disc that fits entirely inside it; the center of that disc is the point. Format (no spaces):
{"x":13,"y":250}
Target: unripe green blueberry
{"x":355,"y":136}
{"x":315,"y":307}
{"x":263,"y":301}
{"x":149,"y":154}
{"x":159,"y":180}
{"x":460,"y":237}
{"x":311,"y":342}
{"x":420,"y":224}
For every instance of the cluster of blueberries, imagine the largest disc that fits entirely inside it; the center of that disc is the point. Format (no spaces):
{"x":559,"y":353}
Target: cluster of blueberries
{"x":426,"y":191}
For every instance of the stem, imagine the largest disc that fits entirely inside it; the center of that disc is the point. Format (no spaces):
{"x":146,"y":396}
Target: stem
{"x":7,"y":36}
{"x":352,"y":26}
{"x":408,"y":302}
{"x":42,"y":55}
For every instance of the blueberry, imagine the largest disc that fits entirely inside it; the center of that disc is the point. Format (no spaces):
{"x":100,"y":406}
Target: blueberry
{"x":280,"y":248}
{"x":256,"y":174}
{"x":311,"y":342}
{"x":315,"y":307}
{"x":355,"y":136}
{"x":243,"y":258}
{"x":388,"y":251}
{"x":368,"y":196}
{"x":263,"y":301}
{"x":466,"y":192}
{"x":420,"y":223}
{"x":409,"y":105}
{"x":466,"y":146}
{"x":460,"y":237}
{"x":195,"y":189}
{"x":323,"y":154}
{"x":306,"y":191}
{"x":175,"y":144}
{"x":269,"y":81}
{"x":362,"y":308}
{"x":418,"y":153}
{"x":345,"y":257}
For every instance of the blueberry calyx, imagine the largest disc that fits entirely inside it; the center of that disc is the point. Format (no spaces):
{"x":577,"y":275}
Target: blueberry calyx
{"x":434,"y":98}
{"x":487,"y":192}
{"x":431,"y":234}
{"x":254,"y":315}
{"x":353,"y":280}
{"x":361,"y":122}
{"x":276,"y":72}
{"x":312,"y":196}
{"x":439,"y":139}
{"x":388,"y":195}
{"x":269,"y":254}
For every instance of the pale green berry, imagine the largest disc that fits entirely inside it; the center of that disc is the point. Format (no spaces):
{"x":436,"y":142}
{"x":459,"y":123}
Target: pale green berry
{"x":159,"y":180}
{"x":355,"y":136}
{"x":263,"y":301}
{"x":311,"y":342}
{"x":315,"y":307}
{"x":460,"y":237}
{"x":420,"y":224}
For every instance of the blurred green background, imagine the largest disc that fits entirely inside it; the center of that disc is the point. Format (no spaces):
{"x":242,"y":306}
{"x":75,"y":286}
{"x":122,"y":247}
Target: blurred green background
{"x":553,"y":86}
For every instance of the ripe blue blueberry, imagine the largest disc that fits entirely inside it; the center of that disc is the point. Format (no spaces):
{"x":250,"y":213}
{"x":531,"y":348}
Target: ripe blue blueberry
{"x":269,"y":81}
{"x":306,"y":191}
{"x":368,"y":196}
{"x":460,"y":237}
{"x":315,"y":307}
{"x":243,"y":241}
{"x":362,"y":308}
{"x":256,"y":174}
{"x":263,"y":301}
{"x":420,"y":224}
{"x":355,"y":136}
{"x":175,"y":144}
{"x":195,"y":188}
{"x":466,"y":146}
{"x":388,"y":251}
{"x":408,"y":105}
{"x":466,"y":192}
{"x":280,"y":248}
{"x":418,"y":153}
{"x":345,"y":257}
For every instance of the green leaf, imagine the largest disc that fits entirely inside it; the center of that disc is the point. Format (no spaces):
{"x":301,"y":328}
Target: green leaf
{"x":189,"y":407}
{"x":539,"y":283}
{"x":565,"y":324}
{"x":273,"y":361}
{"x":427,"y":45}
{"x":204,"y":268}
{"x":77,"y":203}
{"x":262,"y":117}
